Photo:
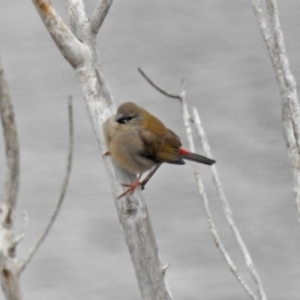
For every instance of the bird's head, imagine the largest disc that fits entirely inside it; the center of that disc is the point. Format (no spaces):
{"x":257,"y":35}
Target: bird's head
{"x":130,"y":113}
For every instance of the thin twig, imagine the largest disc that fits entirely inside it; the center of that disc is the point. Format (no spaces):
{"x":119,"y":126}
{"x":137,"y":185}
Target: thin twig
{"x":165,"y":268}
{"x":266,"y":34}
{"x":187,"y":123}
{"x":216,"y":236}
{"x":11,"y":181}
{"x":163,"y":91}
{"x":289,"y":94}
{"x":9,"y":274}
{"x":35,"y":247}
{"x":99,"y":15}
{"x":21,"y":236}
{"x":213,"y":230}
{"x":226,"y":207}
{"x":149,"y":176}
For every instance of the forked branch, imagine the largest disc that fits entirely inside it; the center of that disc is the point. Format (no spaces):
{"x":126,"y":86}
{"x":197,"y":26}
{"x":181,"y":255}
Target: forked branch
{"x":132,"y":211}
{"x":70,"y":47}
{"x":188,"y":119}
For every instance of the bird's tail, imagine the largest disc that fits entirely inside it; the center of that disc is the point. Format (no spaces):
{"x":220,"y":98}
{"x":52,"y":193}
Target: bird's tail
{"x":195,"y":157}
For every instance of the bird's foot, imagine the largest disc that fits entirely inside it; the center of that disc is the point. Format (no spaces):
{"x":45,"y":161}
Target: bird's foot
{"x":131,"y":188}
{"x":106,"y":153}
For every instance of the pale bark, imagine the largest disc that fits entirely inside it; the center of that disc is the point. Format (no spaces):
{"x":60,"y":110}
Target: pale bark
{"x":9,"y":274}
{"x":189,"y":119}
{"x":227,"y":209}
{"x":80,"y":52}
{"x":274,"y":40}
{"x":10,"y":265}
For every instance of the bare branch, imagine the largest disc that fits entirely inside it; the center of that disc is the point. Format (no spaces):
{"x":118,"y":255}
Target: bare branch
{"x":216,"y":236}
{"x":33,"y":250}
{"x":9,"y":279}
{"x":267,"y":36}
{"x":187,"y":123}
{"x":132,"y":211}
{"x":149,"y":176}
{"x":226,"y":207}
{"x":287,"y":84}
{"x":8,"y":271}
{"x":290,"y":92}
{"x":217,"y":239}
{"x":77,"y":18}
{"x":99,"y":15}
{"x":163,"y":91}
{"x":11,"y":183}
{"x":70,"y":47}
{"x":21,"y":236}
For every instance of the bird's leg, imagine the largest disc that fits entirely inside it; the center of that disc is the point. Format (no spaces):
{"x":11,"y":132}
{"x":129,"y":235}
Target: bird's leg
{"x":131,"y":187}
{"x":150,"y":174}
{"x":136,"y":183}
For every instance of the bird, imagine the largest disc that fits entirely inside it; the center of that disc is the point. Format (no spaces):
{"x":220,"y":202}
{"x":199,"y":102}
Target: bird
{"x":138,"y":142}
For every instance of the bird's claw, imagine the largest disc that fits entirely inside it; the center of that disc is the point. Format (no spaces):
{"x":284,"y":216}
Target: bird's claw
{"x":131,"y":188}
{"x":106,"y":153}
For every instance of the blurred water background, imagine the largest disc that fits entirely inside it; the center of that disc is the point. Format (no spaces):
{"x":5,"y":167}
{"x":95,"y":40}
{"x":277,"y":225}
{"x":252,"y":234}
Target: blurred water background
{"x":217,"y":47}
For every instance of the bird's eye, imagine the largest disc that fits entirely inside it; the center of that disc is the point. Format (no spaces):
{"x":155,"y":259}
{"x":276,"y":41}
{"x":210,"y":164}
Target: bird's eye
{"x":124,"y":120}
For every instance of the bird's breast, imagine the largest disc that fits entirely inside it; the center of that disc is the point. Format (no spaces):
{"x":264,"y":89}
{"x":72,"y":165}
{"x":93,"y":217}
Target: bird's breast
{"x":126,"y":148}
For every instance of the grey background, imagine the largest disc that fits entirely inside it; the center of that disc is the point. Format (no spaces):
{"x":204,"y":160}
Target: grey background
{"x":217,"y":47}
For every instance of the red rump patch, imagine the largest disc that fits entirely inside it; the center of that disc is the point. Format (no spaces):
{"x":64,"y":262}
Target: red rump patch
{"x":183,"y":151}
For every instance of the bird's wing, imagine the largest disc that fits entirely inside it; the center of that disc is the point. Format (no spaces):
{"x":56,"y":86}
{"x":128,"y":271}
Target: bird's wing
{"x":161,"y":147}
{"x":150,"y":142}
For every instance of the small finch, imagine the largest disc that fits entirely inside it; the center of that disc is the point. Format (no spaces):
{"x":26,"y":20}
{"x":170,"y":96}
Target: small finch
{"x":138,"y":142}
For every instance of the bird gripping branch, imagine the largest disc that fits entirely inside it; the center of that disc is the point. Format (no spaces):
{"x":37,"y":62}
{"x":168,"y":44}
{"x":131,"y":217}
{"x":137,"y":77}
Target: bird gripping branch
{"x":138,"y":142}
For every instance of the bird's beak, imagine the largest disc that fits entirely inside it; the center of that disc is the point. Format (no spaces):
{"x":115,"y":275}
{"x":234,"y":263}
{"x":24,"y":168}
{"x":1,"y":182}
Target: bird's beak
{"x":119,"y":117}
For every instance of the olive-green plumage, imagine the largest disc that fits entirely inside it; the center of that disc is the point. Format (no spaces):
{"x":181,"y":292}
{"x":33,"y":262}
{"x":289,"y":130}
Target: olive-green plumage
{"x":138,"y":141}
